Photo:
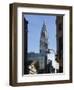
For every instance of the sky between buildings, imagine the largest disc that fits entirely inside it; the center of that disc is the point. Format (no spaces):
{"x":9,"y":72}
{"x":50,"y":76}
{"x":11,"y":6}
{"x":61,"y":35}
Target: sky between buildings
{"x":35,"y":23}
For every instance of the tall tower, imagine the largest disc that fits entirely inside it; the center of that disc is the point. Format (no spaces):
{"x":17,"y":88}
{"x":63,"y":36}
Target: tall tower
{"x":44,"y":40}
{"x":44,"y":45}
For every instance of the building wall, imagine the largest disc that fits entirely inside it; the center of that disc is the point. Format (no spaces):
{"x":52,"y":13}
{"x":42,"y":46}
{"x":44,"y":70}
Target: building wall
{"x":25,"y":38}
{"x":59,"y":39}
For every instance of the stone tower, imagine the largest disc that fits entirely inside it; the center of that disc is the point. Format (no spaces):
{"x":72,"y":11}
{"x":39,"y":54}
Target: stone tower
{"x":44,"y":40}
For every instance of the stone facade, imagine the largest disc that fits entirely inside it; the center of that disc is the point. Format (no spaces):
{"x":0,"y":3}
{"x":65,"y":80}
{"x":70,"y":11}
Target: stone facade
{"x":59,"y":39}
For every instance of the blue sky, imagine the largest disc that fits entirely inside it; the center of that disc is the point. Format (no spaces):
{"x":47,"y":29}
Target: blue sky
{"x":35,"y":23}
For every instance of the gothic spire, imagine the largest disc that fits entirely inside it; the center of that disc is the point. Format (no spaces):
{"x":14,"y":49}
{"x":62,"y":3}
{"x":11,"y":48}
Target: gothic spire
{"x":43,"y":39}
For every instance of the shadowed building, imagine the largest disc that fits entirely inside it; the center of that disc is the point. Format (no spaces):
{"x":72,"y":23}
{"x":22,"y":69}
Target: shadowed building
{"x":59,"y":39}
{"x":25,"y":44}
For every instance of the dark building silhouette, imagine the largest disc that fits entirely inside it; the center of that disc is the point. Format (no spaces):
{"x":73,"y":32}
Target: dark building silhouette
{"x":59,"y":39}
{"x":25,"y":45}
{"x":50,"y":68}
